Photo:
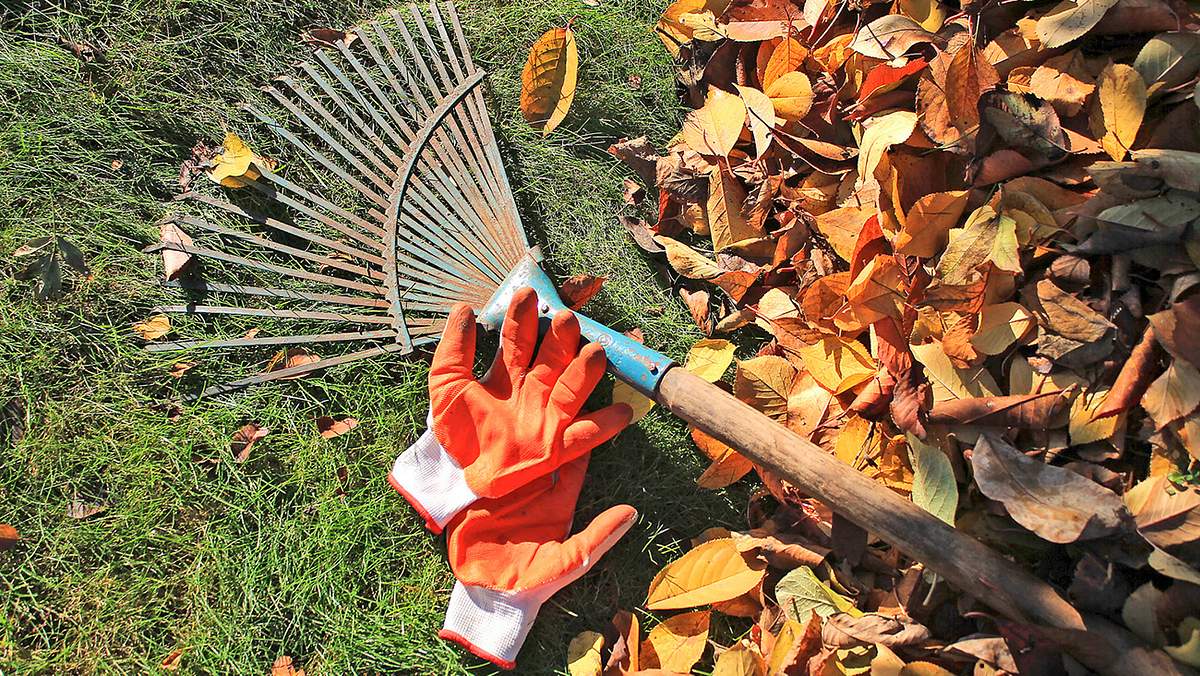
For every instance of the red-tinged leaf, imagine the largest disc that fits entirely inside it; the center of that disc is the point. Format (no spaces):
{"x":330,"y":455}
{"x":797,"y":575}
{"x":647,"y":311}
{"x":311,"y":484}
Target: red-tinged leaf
{"x":318,"y":38}
{"x":244,"y":440}
{"x":874,"y":400}
{"x":871,"y":243}
{"x":884,"y":78}
{"x":1137,"y":373}
{"x":171,"y":662}
{"x":1029,"y":411}
{"x":330,"y":427}
{"x":577,"y":290}
{"x":293,"y":357}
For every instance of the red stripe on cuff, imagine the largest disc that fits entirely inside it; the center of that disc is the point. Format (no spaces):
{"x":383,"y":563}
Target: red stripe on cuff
{"x":458,"y":638}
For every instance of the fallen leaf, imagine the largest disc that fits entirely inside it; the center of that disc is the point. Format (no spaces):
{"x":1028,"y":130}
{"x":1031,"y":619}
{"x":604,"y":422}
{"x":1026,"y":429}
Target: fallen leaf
{"x":843,"y":630}
{"x":787,"y":57}
{"x":180,"y":368}
{"x":583,"y":654}
{"x":883,"y":132}
{"x":934,"y":487}
{"x":549,"y":78}
{"x":1057,"y":504}
{"x":714,"y":128}
{"x":283,"y":666}
{"x":1026,"y":411}
{"x":709,"y":358}
{"x":950,"y":382}
{"x":927,"y":225}
{"x":1168,"y":60}
{"x":1000,"y":326}
{"x":1174,"y":394}
{"x":726,"y":222}
{"x":292,"y":357}
{"x":764,"y":383}
{"x":800,"y":593}
{"x":329,"y":427}
{"x":1168,"y":516}
{"x":760,"y":113}
{"x":171,"y":662}
{"x":577,"y":290}
{"x":79,"y":509}
{"x":838,"y":364}
{"x":318,"y":38}
{"x":677,"y":643}
{"x":1122,"y":100}
{"x":968,"y":75}
{"x":791,"y":95}
{"x":740,"y":660}
{"x":686,"y":261}
{"x":9,"y":537}
{"x":237,"y":165}
{"x":624,"y":393}
{"x":153,"y":328}
{"x":889,"y":37}
{"x":1069,"y":20}
{"x":714,"y":571}
{"x":244,"y":439}
{"x":931,"y":14}
{"x":987,"y":238}
{"x":1135,"y":377}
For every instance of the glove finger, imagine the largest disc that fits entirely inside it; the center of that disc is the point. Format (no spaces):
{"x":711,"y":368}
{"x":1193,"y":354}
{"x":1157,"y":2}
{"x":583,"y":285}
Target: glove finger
{"x":455,"y":354}
{"x":559,"y":347}
{"x":578,"y":380}
{"x":581,"y":551}
{"x":518,"y":335}
{"x":591,"y":430}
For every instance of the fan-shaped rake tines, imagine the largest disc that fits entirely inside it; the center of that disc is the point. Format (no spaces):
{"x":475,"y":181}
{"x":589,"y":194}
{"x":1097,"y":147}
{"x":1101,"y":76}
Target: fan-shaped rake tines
{"x":390,"y":203}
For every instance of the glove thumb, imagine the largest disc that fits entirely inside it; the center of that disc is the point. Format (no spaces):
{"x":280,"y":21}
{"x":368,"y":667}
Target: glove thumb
{"x":581,"y":551}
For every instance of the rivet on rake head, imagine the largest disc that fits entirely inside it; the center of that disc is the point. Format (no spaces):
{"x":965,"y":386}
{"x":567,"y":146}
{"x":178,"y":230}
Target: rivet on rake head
{"x":653,"y":368}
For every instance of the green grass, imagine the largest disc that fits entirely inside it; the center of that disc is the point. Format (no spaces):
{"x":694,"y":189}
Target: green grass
{"x":238,"y":564}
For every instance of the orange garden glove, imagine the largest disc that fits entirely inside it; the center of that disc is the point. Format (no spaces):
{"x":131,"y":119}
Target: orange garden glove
{"x":509,"y":556}
{"x":521,"y":421}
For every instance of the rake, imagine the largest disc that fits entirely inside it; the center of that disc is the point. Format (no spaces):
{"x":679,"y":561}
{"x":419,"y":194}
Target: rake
{"x":405,"y":209}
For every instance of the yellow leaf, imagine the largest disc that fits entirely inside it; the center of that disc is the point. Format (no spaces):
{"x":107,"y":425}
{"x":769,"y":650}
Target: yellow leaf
{"x":677,"y":643}
{"x":1122,"y":101}
{"x":742,"y":659}
{"x":883,"y":132}
{"x":548,"y":80}
{"x":926,"y":228}
{"x":764,"y":383}
{"x":726,"y":223}
{"x":623,"y":393}
{"x":153,"y":328}
{"x":1189,"y":637}
{"x":1082,"y":428}
{"x":788,"y":637}
{"x":786,"y":57}
{"x":687,"y":261}
{"x":949,"y":382}
{"x":671,"y":30}
{"x":235,"y":166}
{"x":761,"y":115}
{"x":1000,"y":326}
{"x":583,"y":654}
{"x":709,"y":358}
{"x":714,"y":571}
{"x":714,"y":128}
{"x":1174,"y":394}
{"x":931,"y":14}
{"x":792,"y":95}
{"x":838,"y":364}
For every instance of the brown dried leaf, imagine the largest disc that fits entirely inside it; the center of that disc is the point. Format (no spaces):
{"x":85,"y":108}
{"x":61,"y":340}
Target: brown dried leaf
{"x":1027,"y":411}
{"x":9,"y":537}
{"x":577,"y":290}
{"x":330,"y":427}
{"x":244,"y":439}
{"x":1057,"y":504}
{"x":548,"y":79}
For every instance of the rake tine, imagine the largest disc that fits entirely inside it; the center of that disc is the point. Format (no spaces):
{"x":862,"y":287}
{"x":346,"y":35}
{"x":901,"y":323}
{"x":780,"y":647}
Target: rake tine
{"x":297,"y":371}
{"x":266,"y":267}
{"x":274,"y":313}
{"x":287,"y":294}
{"x":299,"y":89}
{"x":308,"y":339}
{"x":288,"y":228}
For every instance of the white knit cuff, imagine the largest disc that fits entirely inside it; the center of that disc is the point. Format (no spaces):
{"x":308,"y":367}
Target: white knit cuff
{"x":432,"y":481}
{"x":491,"y":624}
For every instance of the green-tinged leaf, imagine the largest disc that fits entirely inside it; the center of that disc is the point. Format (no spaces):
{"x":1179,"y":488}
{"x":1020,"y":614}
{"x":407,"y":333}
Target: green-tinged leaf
{"x":801,"y":593}
{"x":1168,"y":60}
{"x":934,"y":488}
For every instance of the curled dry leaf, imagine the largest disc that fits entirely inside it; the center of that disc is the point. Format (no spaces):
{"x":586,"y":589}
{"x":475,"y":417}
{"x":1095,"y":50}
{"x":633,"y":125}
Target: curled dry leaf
{"x":80,"y":509}
{"x":1037,"y":411}
{"x":292,"y":358}
{"x":714,"y":129}
{"x":714,"y":571}
{"x":625,"y":654}
{"x":743,"y":659}
{"x":330,"y":427}
{"x":549,"y":78}
{"x":1057,"y":504}
{"x":1168,"y":515}
{"x":238,"y":165}
{"x":244,"y":439}
{"x":284,"y":666}
{"x":172,"y":661}
{"x":843,"y":630}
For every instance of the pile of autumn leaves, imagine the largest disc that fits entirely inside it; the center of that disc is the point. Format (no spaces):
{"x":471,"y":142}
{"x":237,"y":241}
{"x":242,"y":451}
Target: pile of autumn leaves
{"x":969,"y":239}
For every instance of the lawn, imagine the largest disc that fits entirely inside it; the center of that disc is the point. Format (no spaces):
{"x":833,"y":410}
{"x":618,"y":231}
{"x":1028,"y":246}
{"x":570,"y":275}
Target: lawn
{"x":236,"y":564}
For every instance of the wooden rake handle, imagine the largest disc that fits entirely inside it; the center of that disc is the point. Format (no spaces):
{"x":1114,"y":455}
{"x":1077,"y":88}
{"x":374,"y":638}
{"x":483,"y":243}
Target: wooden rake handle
{"x":964,"y":561}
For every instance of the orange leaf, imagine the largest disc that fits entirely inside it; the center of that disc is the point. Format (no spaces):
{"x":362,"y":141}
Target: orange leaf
{"x":785,"y":58}
{"x":244,"y":439}
{"x":293,"y":357}
{"x":330,"y":428}
{"x":8,"y":537}
{"x":968,"y":76}
{"x":926,"y":229}
{"x":548,"y":80}
{"x":577,"y":290}
{"x":714,"y":571}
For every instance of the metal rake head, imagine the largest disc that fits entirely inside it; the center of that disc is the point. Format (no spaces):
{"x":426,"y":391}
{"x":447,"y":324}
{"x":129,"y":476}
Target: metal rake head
{"x":391,"y":202}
